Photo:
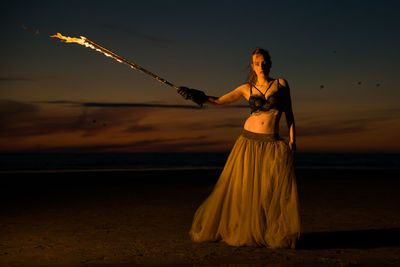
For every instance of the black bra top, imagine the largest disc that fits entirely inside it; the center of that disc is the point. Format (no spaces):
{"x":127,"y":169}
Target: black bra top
{"x":258,"y":103}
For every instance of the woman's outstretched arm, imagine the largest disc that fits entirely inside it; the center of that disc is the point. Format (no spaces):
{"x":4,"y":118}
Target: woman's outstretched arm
{"x":289,"y":113}
{"x":228,"y":98}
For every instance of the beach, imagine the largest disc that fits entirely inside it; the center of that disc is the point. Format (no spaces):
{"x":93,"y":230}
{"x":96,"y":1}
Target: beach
{"x":350,"y":217}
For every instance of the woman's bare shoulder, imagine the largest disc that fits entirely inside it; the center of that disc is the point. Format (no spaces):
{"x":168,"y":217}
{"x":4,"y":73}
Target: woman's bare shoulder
{"x":283,"y":82}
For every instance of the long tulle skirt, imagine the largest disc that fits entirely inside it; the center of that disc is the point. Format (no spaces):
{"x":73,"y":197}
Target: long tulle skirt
{"x":255,"y":200}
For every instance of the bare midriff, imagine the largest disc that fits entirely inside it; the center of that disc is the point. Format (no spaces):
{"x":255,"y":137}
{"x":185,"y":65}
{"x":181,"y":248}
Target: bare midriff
{"x":264,"y":122}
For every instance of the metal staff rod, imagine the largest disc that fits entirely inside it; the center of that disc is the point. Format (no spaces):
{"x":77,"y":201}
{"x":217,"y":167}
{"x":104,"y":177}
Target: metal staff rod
{"x":133,"y":65}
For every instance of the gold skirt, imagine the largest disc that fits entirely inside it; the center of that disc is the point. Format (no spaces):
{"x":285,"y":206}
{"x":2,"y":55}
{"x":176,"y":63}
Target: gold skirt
{"x":255,"y":200}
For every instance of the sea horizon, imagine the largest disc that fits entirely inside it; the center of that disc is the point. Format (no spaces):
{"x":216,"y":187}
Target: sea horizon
{"x":30,"y":162}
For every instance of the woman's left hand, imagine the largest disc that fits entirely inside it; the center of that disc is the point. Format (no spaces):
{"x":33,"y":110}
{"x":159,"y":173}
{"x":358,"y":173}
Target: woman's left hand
{"x":197,"y":96}
{"x":292,"y":145}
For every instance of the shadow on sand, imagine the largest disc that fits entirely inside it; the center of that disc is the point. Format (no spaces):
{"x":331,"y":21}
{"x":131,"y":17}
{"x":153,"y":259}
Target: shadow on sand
{"x":371,"y":238}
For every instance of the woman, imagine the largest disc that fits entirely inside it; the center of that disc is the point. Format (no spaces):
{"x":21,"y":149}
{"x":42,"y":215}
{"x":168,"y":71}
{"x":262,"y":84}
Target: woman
{"x":255,"y":200}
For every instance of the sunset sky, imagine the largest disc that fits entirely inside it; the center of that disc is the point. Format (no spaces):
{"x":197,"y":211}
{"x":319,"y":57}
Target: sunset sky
{"x":340,"y":58}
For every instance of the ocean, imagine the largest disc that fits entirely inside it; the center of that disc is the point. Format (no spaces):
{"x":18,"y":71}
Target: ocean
{"x":74,"y":162}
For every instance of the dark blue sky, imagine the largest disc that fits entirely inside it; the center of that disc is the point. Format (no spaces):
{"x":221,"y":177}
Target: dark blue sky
{"x":349,"y":47}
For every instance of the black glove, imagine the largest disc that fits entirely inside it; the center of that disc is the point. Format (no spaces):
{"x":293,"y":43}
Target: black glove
{"x":197,"y":96}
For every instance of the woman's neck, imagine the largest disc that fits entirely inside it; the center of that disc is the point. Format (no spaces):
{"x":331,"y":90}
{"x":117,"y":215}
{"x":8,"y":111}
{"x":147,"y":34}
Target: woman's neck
{"x":263,"y":80}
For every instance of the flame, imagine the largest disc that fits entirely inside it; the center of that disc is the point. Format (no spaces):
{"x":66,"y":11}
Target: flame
{"x":83,"y":41}
{"x":80,"y":41}
{"x":88,"y":43}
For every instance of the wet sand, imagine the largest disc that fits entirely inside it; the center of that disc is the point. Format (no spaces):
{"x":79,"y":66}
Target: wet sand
{"x":349,"y":218}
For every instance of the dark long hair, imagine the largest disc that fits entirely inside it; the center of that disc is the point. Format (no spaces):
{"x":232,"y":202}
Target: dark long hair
{"x":252,"y":78}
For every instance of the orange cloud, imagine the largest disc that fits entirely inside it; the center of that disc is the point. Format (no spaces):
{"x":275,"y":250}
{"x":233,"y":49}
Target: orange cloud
{"x":132,"y":127}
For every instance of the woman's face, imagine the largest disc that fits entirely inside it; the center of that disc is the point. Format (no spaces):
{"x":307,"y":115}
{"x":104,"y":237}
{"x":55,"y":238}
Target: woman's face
{"x":260,"y":66}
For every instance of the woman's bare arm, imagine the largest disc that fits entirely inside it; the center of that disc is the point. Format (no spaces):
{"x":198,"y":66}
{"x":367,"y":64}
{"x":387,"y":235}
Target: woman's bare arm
{"x":289,"y":113}
{"x":228,"y":98}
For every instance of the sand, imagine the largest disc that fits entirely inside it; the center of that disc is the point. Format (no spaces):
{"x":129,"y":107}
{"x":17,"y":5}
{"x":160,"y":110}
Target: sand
{"x":349,"y":218}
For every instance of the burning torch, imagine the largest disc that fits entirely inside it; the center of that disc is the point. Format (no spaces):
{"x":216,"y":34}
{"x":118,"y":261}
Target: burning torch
{"x":196,"y":96}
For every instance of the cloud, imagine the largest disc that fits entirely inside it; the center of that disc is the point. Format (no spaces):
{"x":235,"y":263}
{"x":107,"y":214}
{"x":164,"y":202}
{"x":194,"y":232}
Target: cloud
{"x":335,"y":128}
{"x":129,"y":30}
{"x":231,"y":124}
{"x":228,"y":123}
{"x":118,"y":105}
{"x":140,"y":128}
{"x":345,"y":123}
{"x":15,"y":111}
{"x":150,"y":145}
{"x":19,"y":119}
{"x":115,"y":126}
{"x":15,"y":79}
{"x":23,"y":119}
{"x":139,"y":105}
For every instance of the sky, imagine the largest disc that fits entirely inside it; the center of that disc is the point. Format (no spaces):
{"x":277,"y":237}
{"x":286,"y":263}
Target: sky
{"x":340,"y":58}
